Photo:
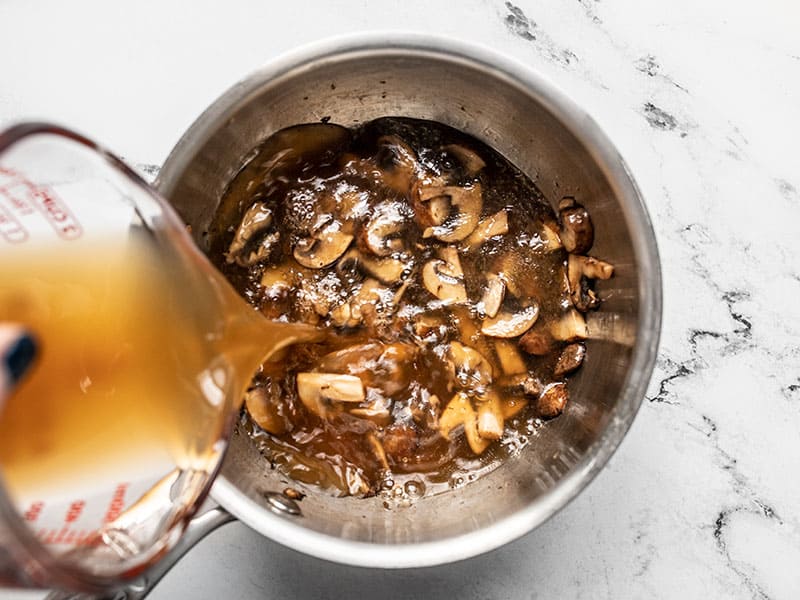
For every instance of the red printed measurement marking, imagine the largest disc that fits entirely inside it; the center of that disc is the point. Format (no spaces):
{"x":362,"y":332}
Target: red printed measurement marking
{"x":74,"y":512}
{"x":10,"y":228}
{"x":117,"y":503}
{"x":33,"y":512}
{"x":43,"y":199}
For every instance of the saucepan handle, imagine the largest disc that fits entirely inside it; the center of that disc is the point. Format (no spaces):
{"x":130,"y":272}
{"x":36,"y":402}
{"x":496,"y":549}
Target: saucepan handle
{"x":209,"y":517}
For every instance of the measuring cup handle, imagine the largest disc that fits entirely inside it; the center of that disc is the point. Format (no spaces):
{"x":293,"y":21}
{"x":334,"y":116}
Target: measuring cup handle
{"x":209,"y":517}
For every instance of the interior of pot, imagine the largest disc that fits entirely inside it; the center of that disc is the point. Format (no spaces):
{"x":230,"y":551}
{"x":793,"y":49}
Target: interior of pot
{"x":544,"y":138}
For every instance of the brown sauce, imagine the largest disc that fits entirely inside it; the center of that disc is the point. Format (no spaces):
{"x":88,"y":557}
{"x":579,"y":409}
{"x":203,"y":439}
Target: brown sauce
{"x":389,"y":236}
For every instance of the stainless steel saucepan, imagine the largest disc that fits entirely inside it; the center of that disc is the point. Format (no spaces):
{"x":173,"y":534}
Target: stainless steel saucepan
{"x":539,"y":129}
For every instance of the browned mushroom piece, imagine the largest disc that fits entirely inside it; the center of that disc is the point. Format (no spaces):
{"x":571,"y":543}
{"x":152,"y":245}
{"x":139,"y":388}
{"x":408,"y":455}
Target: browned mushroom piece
{"x":520,"y":384}
{"x":581,"y":268}
{"x":511,"y":361}
{"x":466,"y":204}
{"x":493,"y":295}
{"x":264,"y":406}
{"x":430,"y":326}
{"x":577,"y":231}
{"x":444,"y":278}
{"x":537,"y":341}
{"x":490,"y":416}
{"x":377,"y":448}
{"x":470,"y":368}
{"x":381,"y":234}
{"x":276,"y":281}
{"x":469,"y":159}
{"x":550,"y":237}
{"x":458,"y":413}
{"x":570,"y":328}
{"x":323,"y":248}
{"x":508,"y":324}
{"x":570,"y":360}
{"x":512,"y":406}
{"x":255,"y":222}
{"x":397,"y":163}
{"x":487,"y":228}
{"x":553,"y":400}
{"x":400,"y":441}
{"x":387,"y":270}
{"x":318,"y":391}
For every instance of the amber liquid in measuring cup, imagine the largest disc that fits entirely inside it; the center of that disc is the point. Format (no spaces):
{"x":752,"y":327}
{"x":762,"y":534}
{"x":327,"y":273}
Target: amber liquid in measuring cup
{"x":114,"y":434}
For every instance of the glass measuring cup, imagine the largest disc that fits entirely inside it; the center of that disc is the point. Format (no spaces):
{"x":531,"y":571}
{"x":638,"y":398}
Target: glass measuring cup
{"x":114,"y":436}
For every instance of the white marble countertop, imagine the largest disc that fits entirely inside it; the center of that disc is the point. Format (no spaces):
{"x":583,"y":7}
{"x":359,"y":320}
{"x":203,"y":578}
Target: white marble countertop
{"x":702,"y":500}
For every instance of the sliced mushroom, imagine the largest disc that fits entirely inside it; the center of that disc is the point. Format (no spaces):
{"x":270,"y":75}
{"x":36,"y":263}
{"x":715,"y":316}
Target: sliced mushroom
{"x":491,"y":226}
{"x":256,"y":220}
{"x":323,"y":248}
{"x":260,"y":252}
{"x":538,"y":342}
{"x":490,"y":416}
{"x":467,"y":202}
{"x":427,"y":324}
{"x":471,"y":370}
{"x":377,"y":448}
{"x":439,"y":209}
{"x":570,"y":328}
{"x":264,"y":408}
{"x":570,"y":360}
{"x":521,"y":384}
{"x":459,"y":412}
{"x":376,"y":411}
{"x":444,"y":278}
{"x":512,"y":406}
{"x":386,"y":270}
{"x":276,"y":281}
{"x":470,"y":161}
{"x":553,"y":400}
{"x":508,"y":325}
{"x":397,"y":162}
{"x":318,"y":390}
{"x":577,"y":231}
{"x":510,"y":360}
{"x":381,"y":233}
{"x":493,"y":296}
{"x":550,"y":237}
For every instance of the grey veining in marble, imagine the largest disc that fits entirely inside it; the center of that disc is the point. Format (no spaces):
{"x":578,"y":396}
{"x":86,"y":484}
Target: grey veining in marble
{"x":703,"y":100}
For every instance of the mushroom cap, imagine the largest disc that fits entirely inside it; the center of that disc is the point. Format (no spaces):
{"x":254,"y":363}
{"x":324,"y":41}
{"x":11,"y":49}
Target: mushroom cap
{"x":323,"y":249}
{"x":577,"y":230}
{"x":553,"y":400}
{"x":469,"y":159}
{"x":387,"y":270}
{"x":381,"y":232}
{"x":508,"y":324}
{"x":316,"y":390}
{"x":444,"y":278}
{"x":487,"y":228}
{"x":467,"y":202}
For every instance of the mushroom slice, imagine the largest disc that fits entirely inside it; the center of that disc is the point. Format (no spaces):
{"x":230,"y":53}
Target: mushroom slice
{"x":508,"y":325}
{"x":577,"y":231}
{"x":491,"y":226}
{"x":263,"y":408}
{"x":397,"y":163}
{"x":467,"y":202}
{"x":493,"y":296}
{"x":317,"y":390}
{"x":276,"y":281}
{"x":490,"y":416}
{"x":457,"y":411}
{"x":386,"y":270}
{"x":444,"y":278}
{"x":261,"y":252}
{"x":511,"y":407}
{"x":510,"y":360}
{"x":550,"y":237}
{"x":377,"y":448}
{"x":538,"y":342}
{"x":256,"y":219}
{"x":470,"y":369}
{"x":323,"y":249}
{"x":521,"y":383}
{"x":469,"y":159}
{"x":570,"y":360}
{"x":439,"y":209}
{"x":553,"y":400}
{"x":382,"y":231}
{"x":570,"y":328}
{"x":377,"y":412}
